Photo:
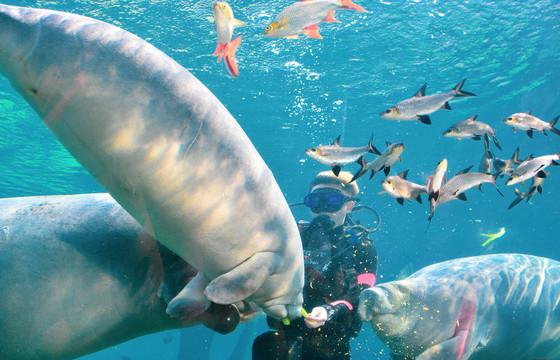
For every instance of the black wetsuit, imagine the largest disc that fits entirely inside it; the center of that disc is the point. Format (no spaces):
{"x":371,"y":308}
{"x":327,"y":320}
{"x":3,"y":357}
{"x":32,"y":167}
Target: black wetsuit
{"x":334,"y":258}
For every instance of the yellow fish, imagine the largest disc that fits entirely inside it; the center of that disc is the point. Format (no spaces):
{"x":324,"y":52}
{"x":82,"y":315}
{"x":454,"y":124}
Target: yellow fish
{"x":494,"y":236}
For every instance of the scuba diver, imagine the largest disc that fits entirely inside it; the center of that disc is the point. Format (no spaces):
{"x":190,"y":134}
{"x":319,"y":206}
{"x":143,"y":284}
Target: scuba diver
{"x":340,"y":262}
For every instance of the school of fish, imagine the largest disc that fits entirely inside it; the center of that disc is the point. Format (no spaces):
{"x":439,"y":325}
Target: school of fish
{"x":439,"y":189}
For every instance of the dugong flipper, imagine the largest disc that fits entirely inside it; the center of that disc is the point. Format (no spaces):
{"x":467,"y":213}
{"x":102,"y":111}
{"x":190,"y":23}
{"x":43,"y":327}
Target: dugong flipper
{"x":78,"y":274}
{"x":164,"y":147}
{"x":479,"y":308}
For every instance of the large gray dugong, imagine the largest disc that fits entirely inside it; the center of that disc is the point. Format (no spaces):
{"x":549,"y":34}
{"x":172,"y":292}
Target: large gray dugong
{"x":489,"y":307}
{"x":78,"y":274}
{"x":164,"y":147}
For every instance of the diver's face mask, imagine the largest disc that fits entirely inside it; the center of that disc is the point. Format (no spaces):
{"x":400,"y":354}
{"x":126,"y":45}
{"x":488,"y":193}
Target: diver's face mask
{"x":326,"y":200}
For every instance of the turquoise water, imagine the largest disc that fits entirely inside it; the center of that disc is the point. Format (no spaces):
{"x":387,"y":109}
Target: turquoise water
{"x":295,"y":94}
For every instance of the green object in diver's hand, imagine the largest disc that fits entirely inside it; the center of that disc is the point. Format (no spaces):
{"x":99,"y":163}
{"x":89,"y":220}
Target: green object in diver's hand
{"x":286,"y":321}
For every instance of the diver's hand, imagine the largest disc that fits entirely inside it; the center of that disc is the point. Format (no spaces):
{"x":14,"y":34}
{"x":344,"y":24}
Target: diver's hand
{"x":316,"y":318}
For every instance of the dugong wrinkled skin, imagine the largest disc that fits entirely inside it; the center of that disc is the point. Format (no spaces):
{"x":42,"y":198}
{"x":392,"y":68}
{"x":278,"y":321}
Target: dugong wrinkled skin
{"x":78,"y":274}
{"x":479,"y":308}
{"x":164,"y":147}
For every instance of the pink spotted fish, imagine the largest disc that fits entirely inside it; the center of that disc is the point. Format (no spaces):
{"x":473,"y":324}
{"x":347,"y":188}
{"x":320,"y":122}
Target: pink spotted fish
{"x":303,"y":16}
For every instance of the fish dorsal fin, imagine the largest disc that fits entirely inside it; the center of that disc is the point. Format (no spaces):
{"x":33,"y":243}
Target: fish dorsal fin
{"x":404,"y":174}
{"x":472,"y":118}
{"x":528,"y":112}
{"x":422,"y":91}
{"x":387,"y":143}
{"x":336,"y":141}
{"x":464,"y":171}
{"x":530,"y":157}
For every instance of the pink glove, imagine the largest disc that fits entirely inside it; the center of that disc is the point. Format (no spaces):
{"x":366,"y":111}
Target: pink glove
{"x":316,"y":318}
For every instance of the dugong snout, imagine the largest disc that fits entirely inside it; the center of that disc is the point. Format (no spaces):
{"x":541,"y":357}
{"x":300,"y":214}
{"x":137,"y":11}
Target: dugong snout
{"x":374,"y":302}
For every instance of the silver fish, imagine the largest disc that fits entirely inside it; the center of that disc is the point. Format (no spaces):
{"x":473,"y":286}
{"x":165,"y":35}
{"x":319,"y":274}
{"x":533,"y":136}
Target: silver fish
{"x":532,"y":167}
{"x":472,"y":129}
{"x":398,"y":187}
{"x":527,"y":122}
{"x":456,"y":186}
{"x":420,"y":106}
{"x":302,"y":17}
{"x":383,"y":162}
{"x":435,"y":182}
{"x":536,"y":186}
{"x":337,"y":156}
{"x":506,"y":166}
{"x":485,"y":165}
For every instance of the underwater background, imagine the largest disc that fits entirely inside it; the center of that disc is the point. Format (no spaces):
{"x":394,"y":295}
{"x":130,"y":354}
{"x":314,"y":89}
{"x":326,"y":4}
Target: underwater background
{"x":295,"y":94}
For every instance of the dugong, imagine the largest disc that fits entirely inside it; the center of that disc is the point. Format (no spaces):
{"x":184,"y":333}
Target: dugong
{"x":79,"y":274}
{"x":165,"y":148}
{"x":489,"y":307}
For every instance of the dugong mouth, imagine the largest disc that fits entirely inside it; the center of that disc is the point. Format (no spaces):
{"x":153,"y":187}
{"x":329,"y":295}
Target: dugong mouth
{"x":382,"y":305}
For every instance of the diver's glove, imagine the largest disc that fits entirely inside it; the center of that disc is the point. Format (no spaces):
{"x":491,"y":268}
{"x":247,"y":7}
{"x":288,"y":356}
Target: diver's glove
{"x":322,"y":314}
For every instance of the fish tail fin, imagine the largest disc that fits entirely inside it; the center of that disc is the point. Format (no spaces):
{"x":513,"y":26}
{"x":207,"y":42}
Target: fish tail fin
{"x":552,"y":123}
{"x":372,"y":149}
{"x":429,"y":222}
{"x":219,"y":51}
{"x":460,"y":92}
{"x":494,"y":177}
{"x":362,"y":171}
{"x":229,"y":57}
{"x":348,"y":4}
{"x":515,"y":156}
{"x":495,"y":139}
{"x":520,"y":197}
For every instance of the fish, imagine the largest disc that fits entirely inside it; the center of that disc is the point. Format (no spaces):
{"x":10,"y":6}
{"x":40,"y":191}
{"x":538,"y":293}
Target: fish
{"x":472,"y":129}
{"x":303,"y":16}
{"x":420,"y":106}
{"x":532,"y":167}
{"x":527,"y":122}
{"x":336,"y":156}
{"x":536,"y":186}
{"x":398,"y":187}
{"x":435,"y":182}
{"x":485,"y":165}
{"x":383,"y":162}
{"x":506,"y":166}
{"x":225,"y":22}
{"x":495,"y":236}
{"x":457,"y":185}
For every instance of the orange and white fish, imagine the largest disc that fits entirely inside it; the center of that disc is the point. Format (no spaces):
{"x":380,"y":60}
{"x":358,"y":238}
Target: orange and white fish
{"x":400,"y":188}
{"x":303,"y":16}
{"x":225,"y":23}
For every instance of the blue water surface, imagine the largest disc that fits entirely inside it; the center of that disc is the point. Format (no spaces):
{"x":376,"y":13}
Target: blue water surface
{"x":295,"y":94}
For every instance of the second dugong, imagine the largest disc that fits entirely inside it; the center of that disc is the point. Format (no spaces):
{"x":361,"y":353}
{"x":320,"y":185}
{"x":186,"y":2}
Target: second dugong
{"x":165,"y":148}
{"x":504,"y":306}
{"x":79,"y":274}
